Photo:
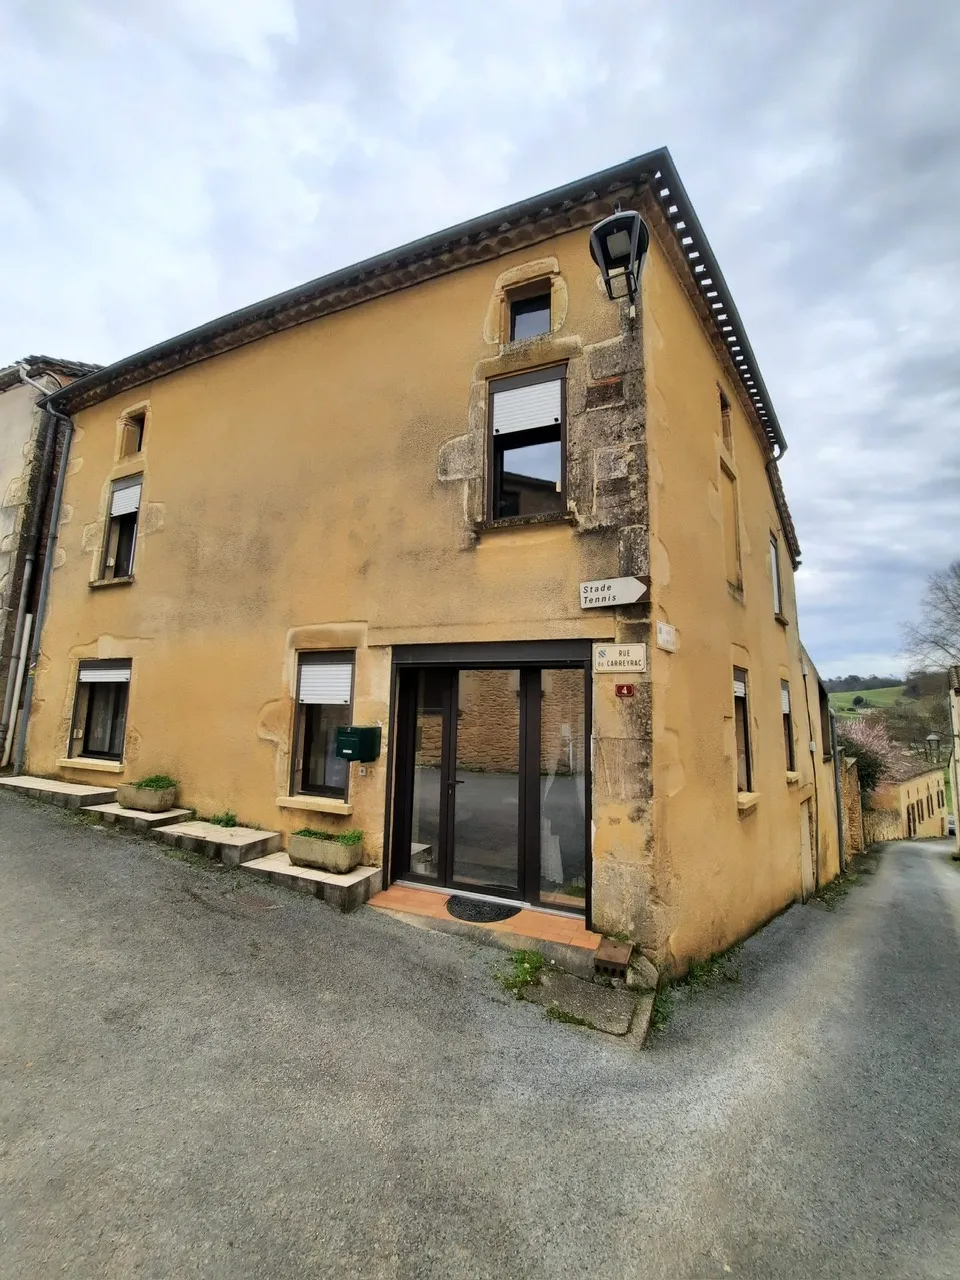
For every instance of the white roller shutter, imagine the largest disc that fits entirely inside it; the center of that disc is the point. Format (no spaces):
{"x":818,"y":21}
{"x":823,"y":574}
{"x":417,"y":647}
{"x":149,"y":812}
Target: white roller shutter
{"x":785,"y":699}
{"x":126,"y":499}
{"x":328,"y":683}
{"x":525,"y":408}
{"x":105,"y":673}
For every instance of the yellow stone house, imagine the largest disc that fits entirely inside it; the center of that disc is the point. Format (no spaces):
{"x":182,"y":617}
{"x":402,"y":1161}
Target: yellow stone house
{"x":919,"y":799}
{"x":402,"y":497}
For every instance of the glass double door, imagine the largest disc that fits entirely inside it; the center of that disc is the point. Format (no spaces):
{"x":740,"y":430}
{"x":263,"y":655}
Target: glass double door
{"x":492,"y":782}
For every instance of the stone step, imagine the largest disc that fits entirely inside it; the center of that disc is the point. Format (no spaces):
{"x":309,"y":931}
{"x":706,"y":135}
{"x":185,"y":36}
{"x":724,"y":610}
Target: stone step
{"x":69,"y":795}
{"x":345,"y":893}
{"x":232,"y":845}
{"x":138,"y":819}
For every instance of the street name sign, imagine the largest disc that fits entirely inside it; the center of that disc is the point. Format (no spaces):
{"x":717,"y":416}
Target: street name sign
{"x":613,"y":591}
{"x":619,"y":657}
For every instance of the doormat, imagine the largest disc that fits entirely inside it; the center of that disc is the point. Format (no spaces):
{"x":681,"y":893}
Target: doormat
{"x":479,"y":912}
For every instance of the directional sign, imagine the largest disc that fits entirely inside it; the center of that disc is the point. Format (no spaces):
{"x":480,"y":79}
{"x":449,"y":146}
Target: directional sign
{"x":619,"y":657}
{"x":611,"y":591}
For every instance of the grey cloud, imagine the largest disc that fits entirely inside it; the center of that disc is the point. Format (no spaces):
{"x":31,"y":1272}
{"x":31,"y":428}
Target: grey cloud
{"x":163,"y":163}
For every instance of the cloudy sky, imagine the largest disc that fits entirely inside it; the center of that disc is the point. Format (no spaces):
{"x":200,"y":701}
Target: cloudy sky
{"x":165,"y":161}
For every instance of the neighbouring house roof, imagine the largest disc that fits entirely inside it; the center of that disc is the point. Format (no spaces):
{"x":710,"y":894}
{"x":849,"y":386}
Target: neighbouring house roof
{"x":575,"y":205}
{"x":37,"y":365}
{"x":906,"y":768}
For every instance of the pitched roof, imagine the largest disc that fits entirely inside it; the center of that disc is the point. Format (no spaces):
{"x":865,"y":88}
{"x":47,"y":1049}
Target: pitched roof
{"x":575,"y":205}
{"x":37,"y":365}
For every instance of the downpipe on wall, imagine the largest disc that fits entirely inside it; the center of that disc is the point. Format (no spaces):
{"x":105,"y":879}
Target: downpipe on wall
{"x":18,"y":649}
{"x":44,"y":584}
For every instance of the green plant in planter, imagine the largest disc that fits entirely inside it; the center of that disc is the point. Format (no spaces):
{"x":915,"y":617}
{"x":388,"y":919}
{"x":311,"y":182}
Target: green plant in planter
{"x":335,"y":851}
{"x":156,"y":782}
{"x":355,"y":836}
{"x":151,"y":795}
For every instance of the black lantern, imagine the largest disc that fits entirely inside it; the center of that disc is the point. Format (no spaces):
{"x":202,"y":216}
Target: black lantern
{"x":618,"y":245}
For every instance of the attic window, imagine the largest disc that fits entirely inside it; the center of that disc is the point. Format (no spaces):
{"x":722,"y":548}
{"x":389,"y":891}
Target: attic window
{"x":530,"y":316}
{"x":131,"y":436}
{"x":725,"y":427}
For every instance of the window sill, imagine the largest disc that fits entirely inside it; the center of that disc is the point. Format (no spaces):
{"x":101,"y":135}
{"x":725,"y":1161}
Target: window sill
{"x":747,"y":801}
{"x":315,"y":804}
{"x":87,"y":762}
{"x":111,"y":582}
{"x":520,"y":522}
{"x":778,"y":617}
{"x":792,"y":778}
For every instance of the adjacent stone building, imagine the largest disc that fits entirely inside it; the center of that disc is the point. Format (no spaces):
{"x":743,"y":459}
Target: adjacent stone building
{"x":373,"y":500}
{"x":30,"y":453}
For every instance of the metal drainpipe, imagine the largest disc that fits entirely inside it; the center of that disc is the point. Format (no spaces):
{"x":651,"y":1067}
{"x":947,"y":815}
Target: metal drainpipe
{"x":44,"y":589}
{"x":14,"y":675}
{"x":815,"y":842}
{"x":837,"y":766}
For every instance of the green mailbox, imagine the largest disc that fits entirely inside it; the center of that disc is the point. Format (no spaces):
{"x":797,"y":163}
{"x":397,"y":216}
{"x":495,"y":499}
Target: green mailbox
{"x":358,"y":742}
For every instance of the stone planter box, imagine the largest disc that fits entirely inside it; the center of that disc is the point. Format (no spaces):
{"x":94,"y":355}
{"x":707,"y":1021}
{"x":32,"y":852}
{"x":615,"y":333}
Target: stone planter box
{"x":146,"y":800}
{"x":326,"y":855}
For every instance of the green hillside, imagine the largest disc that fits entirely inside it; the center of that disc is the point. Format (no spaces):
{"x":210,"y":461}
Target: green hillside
{"x":842,"y":703}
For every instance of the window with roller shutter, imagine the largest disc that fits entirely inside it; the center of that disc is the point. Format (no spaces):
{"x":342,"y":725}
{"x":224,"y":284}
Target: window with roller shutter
{"x":120,"y":542}
{"x":100,"y":710}
{"x":527,"y":445}
{"x":324,"y":704}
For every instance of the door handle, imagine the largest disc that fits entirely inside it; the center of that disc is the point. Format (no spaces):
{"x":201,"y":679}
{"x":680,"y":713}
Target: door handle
{"x":457,"y":782}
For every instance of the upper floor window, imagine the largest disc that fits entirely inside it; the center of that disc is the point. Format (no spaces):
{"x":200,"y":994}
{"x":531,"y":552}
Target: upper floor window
{"x":100,"y":709}
{"x":133,"y":426}
{"x":825,"y":735}
{"x":527,"y":445}
{"x":120,"y":543}
{"x":726,"y":430}
{"x":741,"y":722}
{"x":324,"y":700}
{"x":530,"y":314}
{"x":787,"y":725}
{"x":775,"y":574}
{"x":731,"y":526}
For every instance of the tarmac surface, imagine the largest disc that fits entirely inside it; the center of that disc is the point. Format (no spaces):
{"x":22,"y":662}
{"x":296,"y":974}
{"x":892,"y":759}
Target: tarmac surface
{"x":201,"y":1075}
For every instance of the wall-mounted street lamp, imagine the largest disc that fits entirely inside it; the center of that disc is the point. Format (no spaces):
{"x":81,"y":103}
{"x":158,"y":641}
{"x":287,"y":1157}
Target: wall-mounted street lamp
{"x":618,"y":245}
{"x":933,"y":747}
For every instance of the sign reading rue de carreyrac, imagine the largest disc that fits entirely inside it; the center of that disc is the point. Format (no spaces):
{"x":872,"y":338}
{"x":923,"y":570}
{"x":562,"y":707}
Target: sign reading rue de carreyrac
{"x":619,"y":657}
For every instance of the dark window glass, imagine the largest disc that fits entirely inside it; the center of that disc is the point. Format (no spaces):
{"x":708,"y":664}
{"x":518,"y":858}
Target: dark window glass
{"x":100,"y":720}
{"x":323,"y":772}
{"x":123,"y":531}
{"x":742,"y":726}
{"x":529,"y":317}
{"x":528,"y":476}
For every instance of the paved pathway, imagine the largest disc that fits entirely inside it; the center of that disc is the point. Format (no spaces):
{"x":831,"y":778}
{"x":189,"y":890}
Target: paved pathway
{"x":203,"y":1077}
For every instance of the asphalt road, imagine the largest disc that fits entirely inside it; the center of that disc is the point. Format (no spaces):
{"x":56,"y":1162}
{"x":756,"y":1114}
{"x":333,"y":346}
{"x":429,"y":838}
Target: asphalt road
{"x":203,"y":1080}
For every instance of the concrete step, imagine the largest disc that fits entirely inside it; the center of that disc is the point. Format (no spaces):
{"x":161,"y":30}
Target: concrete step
{"x":232,"y":845}
{"x":345,"y":893}
{"x":69,"y":795}
{"x":137,"y":819}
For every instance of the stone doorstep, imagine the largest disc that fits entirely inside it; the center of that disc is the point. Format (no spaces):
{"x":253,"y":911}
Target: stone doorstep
{"x":609,"y":1009}
{"x":138,"y":819}
{"x":69,"y":795}
{"x":232,"y":845}
{"x":345,"y":893}
{"x":566,"y":956}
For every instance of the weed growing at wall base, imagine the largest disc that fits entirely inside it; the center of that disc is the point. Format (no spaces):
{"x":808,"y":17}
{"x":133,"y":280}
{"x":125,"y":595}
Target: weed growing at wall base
{"x":524,"y":971}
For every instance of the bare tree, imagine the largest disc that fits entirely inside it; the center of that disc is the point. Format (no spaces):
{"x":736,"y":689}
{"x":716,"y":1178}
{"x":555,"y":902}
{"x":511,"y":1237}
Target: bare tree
{"x":934,"y":642}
